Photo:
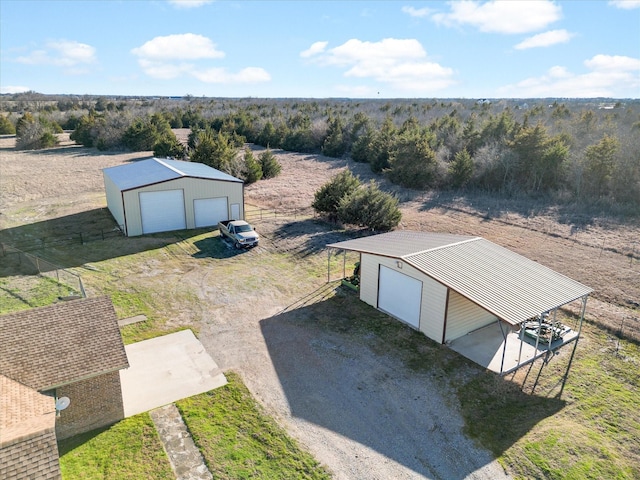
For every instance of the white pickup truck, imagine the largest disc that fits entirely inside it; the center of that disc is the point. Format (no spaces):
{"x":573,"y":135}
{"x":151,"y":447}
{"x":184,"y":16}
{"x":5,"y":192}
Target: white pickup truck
{"x":241,"y":234}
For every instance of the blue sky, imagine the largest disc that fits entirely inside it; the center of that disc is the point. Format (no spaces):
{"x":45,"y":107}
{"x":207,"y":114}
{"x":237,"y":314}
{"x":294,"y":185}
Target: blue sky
{"x":320,"y":49}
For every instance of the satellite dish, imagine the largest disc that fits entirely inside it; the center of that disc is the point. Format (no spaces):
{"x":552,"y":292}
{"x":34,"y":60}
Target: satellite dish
{"x":62,"y":403}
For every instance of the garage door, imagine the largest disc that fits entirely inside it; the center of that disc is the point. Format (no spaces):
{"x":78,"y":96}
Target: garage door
{"x":400,"y":295}
{"x":209,"y":211}
{"x":162,"y":211}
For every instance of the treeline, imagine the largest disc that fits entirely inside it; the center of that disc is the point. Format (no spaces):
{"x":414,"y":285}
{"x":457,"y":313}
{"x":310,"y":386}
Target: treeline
{"x":575,"y":150}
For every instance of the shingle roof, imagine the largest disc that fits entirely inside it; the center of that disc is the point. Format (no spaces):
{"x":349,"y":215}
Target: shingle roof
{"x":51,"y":346}
{"x":24,"y":412}
{"x":156,"y":170}
{"x":510,"y":286}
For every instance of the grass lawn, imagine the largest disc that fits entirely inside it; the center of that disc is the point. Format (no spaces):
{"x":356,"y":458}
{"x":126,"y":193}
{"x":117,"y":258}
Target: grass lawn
{"x":591,"y":432}
{"x":129,"y":449}
{"x":239,"y":441}
{"x":235,"y":437}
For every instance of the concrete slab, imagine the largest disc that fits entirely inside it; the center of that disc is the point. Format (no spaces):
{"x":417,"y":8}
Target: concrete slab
{"x":166,"y":369}
{"x":132,"y":320}
{"x":485,"y":347}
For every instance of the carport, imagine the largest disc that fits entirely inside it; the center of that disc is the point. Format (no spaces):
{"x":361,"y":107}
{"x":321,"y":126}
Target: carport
{"x":488,"y":303}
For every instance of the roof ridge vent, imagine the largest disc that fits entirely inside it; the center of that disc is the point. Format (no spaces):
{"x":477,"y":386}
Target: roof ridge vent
{"x":163,"y":163}
{"x":443,"y":246}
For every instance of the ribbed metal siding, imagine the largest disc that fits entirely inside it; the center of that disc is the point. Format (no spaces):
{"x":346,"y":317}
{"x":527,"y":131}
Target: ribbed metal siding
{"x":434,"y":294}
{"x":114,"y":199}
{"x":194,"y":188}
{"x":464,"y":316}
{"x":506,"y":284}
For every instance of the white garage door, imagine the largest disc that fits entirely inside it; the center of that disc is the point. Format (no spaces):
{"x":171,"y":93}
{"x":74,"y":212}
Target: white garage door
{"x":162,"y":211}
{"x":209,"y":211}
{"x":400,"y":295}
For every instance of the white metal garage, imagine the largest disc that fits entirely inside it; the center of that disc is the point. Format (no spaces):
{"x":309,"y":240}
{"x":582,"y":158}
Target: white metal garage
{"x":158,"y":195}
{"x":447,"y":286}
{"x":162,"y":211}
{"x":210,"y":211}
{"x":400,"y":295}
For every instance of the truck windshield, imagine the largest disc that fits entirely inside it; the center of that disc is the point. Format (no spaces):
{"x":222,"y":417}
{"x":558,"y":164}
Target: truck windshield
{"x":243,"y":228}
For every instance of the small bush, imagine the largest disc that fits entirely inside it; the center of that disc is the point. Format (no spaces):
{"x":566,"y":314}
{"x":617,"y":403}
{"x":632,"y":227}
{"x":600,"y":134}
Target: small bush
{"x":269,"y":163}
{"x":35,"y":136}
{"x":327,"y":199}
{"x":370,"y":207}
{"x":6,"y":127}
{"x":252,"y":169}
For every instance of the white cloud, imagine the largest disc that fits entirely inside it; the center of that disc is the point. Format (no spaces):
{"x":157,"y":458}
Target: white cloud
{"x":189,"y":3}
{"x":185,"y":46}
{"x":70,"y":55}
{"x":9,"y":89}
{"x":608,"y":76}
{"x":545,"y":39}
{"x":401,"y":63}
{"x":613,"y":63}
{"x":625,"y":4}
{"x":417,"y":12}
{"x":316,"y":48}
{"x":501,"y":16}
{"x":164,"y":70}
{"x":174,"y":56}
{"x":221,"y":75}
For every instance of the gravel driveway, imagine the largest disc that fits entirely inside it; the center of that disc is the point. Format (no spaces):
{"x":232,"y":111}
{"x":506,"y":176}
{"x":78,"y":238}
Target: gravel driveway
{"x":360,"y":411}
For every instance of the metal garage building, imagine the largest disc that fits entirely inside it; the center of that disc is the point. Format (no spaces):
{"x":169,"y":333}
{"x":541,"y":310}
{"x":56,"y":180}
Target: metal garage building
{"x":447,"y":286}
{"x":158,"y":195}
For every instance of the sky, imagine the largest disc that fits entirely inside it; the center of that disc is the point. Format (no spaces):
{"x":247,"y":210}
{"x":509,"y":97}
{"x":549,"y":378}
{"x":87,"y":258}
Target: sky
{"x":322,"y":49}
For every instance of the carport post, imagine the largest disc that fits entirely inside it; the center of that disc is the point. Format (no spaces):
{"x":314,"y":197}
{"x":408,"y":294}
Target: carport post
{"x":344,"y":264}
{"x":504,"y":349}
{"x":521,"y":341}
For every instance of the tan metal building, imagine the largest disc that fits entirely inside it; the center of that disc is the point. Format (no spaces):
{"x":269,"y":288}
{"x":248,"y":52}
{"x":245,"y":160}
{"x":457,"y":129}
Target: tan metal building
{"x":158,"y":195}
{"x":447,"y":286}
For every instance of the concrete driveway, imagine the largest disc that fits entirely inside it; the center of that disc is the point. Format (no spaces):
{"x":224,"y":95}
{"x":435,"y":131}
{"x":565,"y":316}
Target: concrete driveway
{"x":166,"y":369}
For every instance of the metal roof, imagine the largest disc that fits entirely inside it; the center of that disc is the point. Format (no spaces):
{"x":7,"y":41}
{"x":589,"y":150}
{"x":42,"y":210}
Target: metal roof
{"x":156,"y":170}
{"x":510,"y":286}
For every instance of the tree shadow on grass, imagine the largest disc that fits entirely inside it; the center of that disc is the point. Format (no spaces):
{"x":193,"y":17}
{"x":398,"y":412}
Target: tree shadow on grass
{"x":311,"y":236}
{"x":348,"y":368}
{"x":77,"y":239}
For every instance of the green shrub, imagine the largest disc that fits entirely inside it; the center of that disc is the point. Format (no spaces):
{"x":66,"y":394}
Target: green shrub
{"x":269,"y":163}
{"x":6,"y":127}
{"x":327,"y":198}
{"x":460,"y":169}
{"x":169,"y":146}
{"x":252,"y":168}
{"x":368,"y":206}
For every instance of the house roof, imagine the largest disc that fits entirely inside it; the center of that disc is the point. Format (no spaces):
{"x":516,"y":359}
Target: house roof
{"x":508,"y":285}
{"x":47,"y":347}
{"x":24,"y":412}
{"x":156,"y":170}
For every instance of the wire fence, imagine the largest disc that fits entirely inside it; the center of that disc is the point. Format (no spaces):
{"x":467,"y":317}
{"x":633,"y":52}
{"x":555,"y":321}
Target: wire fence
{"x":255,"y":214}
{"x":29,"y":264}
{"x":77,"y":238}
